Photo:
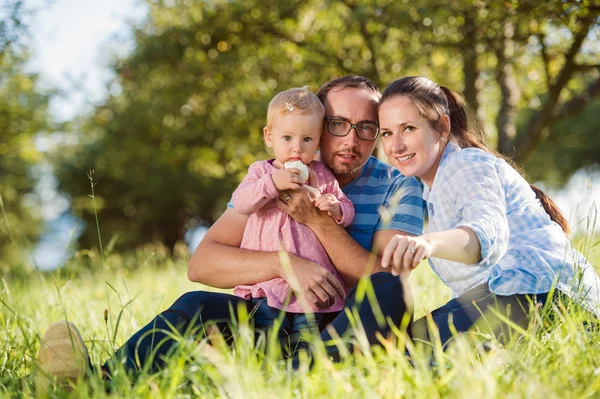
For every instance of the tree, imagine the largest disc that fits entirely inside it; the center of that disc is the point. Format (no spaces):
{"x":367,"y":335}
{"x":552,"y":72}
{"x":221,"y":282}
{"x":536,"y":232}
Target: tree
{"x":170,"y":147}
{"x":23,"y":114}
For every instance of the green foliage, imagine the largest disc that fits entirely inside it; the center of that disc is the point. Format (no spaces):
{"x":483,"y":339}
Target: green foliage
{"x":572,"y":144}
{"x":23,"y":114}
{"x":185,"y":120}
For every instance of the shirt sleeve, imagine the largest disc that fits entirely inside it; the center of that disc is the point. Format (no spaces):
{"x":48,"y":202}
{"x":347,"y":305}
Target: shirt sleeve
{"x":403,"y":208}
{"x":477,"y":195}
{"x":346,"y":206}
{"x":255,"y":191}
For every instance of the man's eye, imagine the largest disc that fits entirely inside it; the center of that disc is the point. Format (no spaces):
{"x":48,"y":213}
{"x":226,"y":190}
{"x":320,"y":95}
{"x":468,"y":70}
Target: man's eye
{"x":367,"y":127}
{"x":339,"y":123}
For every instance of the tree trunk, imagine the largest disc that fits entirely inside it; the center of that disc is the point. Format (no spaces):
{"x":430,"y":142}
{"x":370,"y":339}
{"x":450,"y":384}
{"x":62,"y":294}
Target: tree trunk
{"x":507,"y":114}
{"x":470,"y":68}
{"x":531,"y":135}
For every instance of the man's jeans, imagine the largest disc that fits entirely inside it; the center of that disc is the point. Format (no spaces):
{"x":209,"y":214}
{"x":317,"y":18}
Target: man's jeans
{"x":193,"y":312}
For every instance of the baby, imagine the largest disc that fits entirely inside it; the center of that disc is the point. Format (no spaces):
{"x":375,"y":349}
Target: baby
{"x":293,"y":131}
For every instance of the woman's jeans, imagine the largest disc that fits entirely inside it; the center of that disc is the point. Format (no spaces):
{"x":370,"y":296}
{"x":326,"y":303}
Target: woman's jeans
{"x":193,"y":313}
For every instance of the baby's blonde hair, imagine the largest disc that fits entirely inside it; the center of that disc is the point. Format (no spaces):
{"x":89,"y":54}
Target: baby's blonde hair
{"x":296,"y":99}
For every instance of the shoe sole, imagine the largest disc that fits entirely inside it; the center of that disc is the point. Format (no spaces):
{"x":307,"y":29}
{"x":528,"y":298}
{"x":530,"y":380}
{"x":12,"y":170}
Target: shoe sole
{"x":62,"y":353}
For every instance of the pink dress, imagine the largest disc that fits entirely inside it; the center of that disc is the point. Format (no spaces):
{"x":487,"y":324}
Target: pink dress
{"x":271,"y":229}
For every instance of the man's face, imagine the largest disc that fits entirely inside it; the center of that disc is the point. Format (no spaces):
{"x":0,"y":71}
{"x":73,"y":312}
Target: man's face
{"x":346,"y":155}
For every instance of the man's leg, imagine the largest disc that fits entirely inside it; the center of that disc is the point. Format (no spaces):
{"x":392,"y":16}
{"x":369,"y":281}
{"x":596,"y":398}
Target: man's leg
{"x":62,"y":347}
{"x":394,"y":303}
{"x":190,"y":315}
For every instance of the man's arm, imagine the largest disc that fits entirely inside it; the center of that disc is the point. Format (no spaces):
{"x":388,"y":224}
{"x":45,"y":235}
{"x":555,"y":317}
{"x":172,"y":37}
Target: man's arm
{"x":220,"y":262}
{"x":350,"y":259}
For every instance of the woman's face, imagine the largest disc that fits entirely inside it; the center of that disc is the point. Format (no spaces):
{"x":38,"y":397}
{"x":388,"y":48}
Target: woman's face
{"x":411,"y":144}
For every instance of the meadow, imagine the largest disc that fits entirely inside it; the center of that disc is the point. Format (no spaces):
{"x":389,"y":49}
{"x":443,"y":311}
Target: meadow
{"x":111,"y":298}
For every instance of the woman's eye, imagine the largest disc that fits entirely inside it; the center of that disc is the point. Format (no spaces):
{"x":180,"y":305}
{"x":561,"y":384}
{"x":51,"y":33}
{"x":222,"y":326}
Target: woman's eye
{"x":409,"y":129}
{"x":386,"y":134}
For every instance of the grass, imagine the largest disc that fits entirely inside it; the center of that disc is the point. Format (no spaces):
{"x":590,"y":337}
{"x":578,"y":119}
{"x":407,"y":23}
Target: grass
{"x":560,"y":362}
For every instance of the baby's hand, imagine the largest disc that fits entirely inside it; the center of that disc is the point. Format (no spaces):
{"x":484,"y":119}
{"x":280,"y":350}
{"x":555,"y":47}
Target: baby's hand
{"x":287,"y":179}
{"x":328,"y":203}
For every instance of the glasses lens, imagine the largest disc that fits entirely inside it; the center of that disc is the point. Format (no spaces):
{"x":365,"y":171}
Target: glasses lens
{"x":368,"y":131}
{"x":338,"y":127}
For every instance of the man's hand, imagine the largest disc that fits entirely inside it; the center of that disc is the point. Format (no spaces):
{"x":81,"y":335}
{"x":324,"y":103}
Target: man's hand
{"x":287,"y":179}
{"x":312,"y":281}
{"x":328,"y":203}
{"x":300,"y":204}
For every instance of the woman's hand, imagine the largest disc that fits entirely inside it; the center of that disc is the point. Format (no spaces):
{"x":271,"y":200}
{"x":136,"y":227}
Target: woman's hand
{"x":405,"y":253}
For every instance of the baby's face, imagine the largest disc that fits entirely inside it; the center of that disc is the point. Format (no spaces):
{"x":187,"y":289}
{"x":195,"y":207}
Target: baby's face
{"x":295,"y":137}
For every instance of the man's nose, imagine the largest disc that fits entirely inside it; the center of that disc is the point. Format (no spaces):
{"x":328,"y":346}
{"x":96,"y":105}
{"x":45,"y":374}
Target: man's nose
{"x":352,"y":139}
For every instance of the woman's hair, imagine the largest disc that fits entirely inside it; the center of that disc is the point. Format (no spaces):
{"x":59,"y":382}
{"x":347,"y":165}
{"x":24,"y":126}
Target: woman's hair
{"x":432,"y":101}
{"x":295,"y":100}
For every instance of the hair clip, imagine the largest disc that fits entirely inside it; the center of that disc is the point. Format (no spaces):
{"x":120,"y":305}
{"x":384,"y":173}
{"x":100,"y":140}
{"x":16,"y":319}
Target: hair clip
{"x":289,"y":106}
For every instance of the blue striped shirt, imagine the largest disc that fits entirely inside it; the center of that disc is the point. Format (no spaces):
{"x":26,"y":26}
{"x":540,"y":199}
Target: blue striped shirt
{"x":522,"y":250}
{"x":383,"y":199}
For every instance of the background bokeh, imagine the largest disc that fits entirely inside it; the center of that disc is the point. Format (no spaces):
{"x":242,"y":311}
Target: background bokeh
{"x":178,"y":117}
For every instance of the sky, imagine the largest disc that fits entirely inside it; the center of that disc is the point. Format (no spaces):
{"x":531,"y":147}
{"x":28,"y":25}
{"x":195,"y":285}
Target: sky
{"x":72,"y":44}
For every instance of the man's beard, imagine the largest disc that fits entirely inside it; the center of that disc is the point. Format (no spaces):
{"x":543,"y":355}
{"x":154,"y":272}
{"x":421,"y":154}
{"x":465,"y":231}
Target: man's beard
{"x":344,"y":172}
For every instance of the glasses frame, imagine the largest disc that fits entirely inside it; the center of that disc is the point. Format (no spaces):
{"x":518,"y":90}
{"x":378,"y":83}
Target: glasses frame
{"x":352,"y":126}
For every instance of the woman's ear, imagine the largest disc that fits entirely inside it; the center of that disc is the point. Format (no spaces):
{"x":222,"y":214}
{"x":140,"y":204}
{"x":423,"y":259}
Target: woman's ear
{"x":444,"y":126}
{"x":267,"y":136}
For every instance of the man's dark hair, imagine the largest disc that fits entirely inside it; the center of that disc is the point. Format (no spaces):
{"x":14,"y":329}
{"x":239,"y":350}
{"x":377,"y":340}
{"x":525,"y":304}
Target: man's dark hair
{"x":351,"y":81}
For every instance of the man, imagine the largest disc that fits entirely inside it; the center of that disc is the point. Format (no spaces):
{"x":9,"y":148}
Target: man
{"x":346,"y":146}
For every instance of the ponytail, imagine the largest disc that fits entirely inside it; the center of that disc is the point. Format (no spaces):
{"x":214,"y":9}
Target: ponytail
{"x":432,"y":101}
{"x":469,"y":134}
{"x":552,"y":209}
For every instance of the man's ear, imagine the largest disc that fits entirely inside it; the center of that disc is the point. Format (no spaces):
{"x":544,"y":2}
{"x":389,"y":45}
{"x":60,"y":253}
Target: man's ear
{"x":267,"y":136}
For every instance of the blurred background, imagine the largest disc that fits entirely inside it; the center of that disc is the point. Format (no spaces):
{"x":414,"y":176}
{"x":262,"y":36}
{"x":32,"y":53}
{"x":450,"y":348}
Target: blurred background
{"x":165,"y":101}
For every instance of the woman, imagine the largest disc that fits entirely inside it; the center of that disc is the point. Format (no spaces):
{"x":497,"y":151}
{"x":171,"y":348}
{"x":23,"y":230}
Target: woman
{"x":492,"y":238}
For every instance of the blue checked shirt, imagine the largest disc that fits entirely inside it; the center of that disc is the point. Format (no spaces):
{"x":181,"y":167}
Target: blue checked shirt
{"x":522,"y":250}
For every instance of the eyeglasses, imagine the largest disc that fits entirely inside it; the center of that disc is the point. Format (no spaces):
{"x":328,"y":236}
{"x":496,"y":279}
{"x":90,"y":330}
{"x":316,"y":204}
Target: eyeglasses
{"x":364,"y":130}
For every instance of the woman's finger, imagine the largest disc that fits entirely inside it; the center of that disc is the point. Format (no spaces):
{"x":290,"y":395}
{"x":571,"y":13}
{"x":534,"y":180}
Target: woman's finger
{"x":409,"y":254}
{"x":386,"y":257}
{"x":399,"y":252}
{"x":418,"y":257}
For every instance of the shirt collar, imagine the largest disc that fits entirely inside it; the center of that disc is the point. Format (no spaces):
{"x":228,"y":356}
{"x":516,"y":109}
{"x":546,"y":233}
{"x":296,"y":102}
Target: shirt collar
{"x":451,"y":147}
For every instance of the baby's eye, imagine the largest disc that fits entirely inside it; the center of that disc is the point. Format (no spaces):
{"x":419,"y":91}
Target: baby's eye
{"x":287,"y":138}
{"x":308,"y":139}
